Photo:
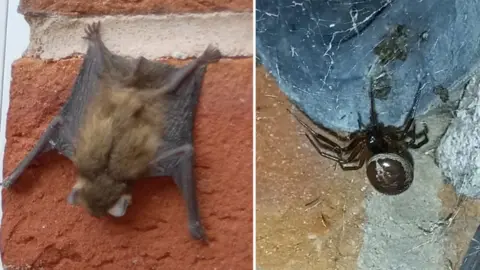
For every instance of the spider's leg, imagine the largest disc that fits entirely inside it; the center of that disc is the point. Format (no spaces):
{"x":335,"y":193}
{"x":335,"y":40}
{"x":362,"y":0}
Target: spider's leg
{"x":353,"y":167}
{"x":355,"y":164}
{"x":373,"y":111}
{"x":403,"y":133}
{"x":320,"y":137}
{"x":359,"y":121}
{"x":355,"y":152}
{"x":413,"y":135}
{"x":416,"y":145}
{"x":353,"y":143}
{"x":318,"y":147}
{"x":333,"y":146}
{"x":409,"y":119}
{"x":337,"y":149}
{"x":326,"y":130}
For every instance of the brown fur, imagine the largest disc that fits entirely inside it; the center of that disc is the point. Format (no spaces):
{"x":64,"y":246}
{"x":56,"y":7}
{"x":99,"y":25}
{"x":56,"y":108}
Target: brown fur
{"x":121,"y":130}
{"x":119,"y":137}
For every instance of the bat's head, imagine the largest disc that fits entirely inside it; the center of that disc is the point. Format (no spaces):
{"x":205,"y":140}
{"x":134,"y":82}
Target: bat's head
{"x":101,"y":196}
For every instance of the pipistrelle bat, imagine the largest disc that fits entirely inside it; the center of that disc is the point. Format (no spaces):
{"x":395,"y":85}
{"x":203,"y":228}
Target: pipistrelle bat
{"x":126,"y":118}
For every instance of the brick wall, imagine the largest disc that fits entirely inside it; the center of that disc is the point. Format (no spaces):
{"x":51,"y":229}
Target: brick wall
{"x":41,"y":231}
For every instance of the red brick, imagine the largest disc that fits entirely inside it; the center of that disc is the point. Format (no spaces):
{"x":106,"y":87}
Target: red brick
{"x":40,"y":229}
{"x":81,"y":7}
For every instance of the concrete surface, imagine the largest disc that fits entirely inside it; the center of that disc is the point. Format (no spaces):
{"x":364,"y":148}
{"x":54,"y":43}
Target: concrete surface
{"x":458,"y":154}
{"x":323,"y":53}
{"x":349,"y":225}
{"x":151,"y":36}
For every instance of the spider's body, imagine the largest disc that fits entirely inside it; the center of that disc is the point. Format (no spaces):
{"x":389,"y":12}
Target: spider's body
{"x":385,"y":148}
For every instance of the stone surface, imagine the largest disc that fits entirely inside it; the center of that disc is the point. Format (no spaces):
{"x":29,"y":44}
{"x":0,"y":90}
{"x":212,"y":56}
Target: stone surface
{"x":80,"y":7}
{"x":149,"y":36}
{"x":393,"y":236}
{"x":458,"y":233}
{"x":39,"y":228}
{"x":458,"y":154}
{"x":350,"y":226}
{"x":323,"y":56}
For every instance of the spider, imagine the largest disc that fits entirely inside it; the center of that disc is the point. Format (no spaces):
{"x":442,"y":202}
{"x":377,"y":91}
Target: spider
{"x":390,"y":166}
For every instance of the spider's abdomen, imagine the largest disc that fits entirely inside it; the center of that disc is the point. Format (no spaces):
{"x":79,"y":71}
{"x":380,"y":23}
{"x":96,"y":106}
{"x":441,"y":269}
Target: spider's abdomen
{"x":389,"y":173}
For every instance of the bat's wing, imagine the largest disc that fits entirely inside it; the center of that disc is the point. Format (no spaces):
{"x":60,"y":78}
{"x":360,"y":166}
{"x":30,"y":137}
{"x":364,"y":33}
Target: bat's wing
{"x":83,"y":90}
{"x":176,"y":157}
{"x":180,"y":119}
{"x":59,"y":133}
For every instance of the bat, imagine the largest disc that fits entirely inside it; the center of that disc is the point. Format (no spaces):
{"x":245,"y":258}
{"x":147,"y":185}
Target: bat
{"x":126,"y":118}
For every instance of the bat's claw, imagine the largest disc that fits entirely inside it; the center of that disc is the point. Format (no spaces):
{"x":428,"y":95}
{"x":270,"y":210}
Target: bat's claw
{"x":92,"y":31}
{"x":210,"y":55}
{"x":197,"y":231}
{"x":6,"y":183}
{"x":10,"y":180}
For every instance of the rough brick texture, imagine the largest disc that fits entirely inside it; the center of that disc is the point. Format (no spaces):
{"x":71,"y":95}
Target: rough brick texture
{"x":40,"y":230}
{"x":81,"y":7}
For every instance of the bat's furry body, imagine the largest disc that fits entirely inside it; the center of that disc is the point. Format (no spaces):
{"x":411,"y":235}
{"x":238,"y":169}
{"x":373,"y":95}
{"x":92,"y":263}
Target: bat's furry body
{"x":126,"y":118}
{"x":115,"y":144}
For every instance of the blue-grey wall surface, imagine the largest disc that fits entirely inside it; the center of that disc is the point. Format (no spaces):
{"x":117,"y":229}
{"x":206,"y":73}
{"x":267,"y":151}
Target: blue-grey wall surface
{"x":323,"y":57}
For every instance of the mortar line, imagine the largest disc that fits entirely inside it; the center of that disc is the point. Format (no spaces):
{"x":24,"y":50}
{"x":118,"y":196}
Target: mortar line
{"x":150,"y":36}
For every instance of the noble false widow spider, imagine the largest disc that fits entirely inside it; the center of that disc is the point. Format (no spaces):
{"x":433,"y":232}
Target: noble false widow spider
{"x":389,"y":165}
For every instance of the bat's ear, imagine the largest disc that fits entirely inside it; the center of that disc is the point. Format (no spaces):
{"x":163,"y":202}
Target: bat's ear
{"x":73,"y":196}
{"x":120,"y":207}
{"x":75,"y":193}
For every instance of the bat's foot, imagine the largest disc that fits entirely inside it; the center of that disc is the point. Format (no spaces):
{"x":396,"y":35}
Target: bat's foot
{"x":210,"y":55}
{"x":92,"y":31}
{"x":197,"y":231}
{"x":7,"y":182}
